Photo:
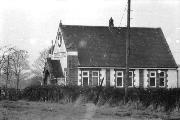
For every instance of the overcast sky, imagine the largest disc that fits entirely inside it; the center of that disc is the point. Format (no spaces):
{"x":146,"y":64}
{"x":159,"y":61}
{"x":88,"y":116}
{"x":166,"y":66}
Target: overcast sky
{"x":32,"y":24}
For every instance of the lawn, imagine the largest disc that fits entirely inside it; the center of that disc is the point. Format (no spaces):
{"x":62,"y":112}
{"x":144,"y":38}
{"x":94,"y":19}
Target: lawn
{"x":24,"y":110}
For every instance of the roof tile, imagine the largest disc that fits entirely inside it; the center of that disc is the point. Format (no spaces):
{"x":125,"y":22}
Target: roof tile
{"x":100,"y":46}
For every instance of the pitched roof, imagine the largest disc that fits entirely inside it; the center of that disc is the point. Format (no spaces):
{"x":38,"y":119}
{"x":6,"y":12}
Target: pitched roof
{"x":100,"y":46}
{"x":55,"y":68}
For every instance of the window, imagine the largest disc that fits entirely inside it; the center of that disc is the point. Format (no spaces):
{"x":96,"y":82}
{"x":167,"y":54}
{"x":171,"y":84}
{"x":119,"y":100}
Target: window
{"x":85,"y":78}
{"x":152,"y":79}
{"x":95,"y":78}
{"x":162,"y":79}
{"x":119,"y":78}
{"x":130,"y":83}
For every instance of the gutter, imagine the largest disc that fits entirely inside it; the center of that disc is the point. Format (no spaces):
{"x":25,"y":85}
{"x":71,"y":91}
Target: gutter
{"x":125,"y":68}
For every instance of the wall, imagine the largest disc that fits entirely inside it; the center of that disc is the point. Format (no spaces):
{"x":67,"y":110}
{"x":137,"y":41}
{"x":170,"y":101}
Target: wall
{"x":79,"y":77}
{"x":145,"y":78}
{"x":60,"y":53}
{"x":72,"y":69}
{"x":178,"y":77}
{"x":172,"y":78}
{"x":103,"y":75}
{"x":112,"y":77}
{"x":63,"y":60}
{"x":136,"y":78}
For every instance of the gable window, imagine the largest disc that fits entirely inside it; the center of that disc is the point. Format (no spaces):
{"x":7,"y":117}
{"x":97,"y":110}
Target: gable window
{"x":152,"y":79}
{"x":130,"y":83}
{"x":95,"y":78}
{"x":162,"y":77}
{"x":85,"y":78}
{"x":119,"y":79}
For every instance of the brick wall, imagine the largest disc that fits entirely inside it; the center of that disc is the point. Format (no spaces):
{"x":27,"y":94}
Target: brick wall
{"x":72,"y":70}
{"x":141,"y":78}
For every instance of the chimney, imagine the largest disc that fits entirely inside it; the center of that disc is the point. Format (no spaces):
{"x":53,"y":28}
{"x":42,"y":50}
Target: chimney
{"x":111,"y":22}
{"x":60,"y":24}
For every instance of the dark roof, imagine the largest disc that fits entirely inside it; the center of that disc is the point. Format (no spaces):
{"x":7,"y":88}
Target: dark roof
{"x":51,"y":49}
{"x":100,"y":46}
{"x":55,"y":68}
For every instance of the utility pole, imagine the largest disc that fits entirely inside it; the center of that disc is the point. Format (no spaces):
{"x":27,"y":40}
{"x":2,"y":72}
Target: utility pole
{"x":127,"y":50}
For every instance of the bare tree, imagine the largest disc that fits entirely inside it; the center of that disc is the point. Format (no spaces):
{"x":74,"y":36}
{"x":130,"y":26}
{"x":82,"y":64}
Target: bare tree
{"x":7,"y":69}
{"x":5,"y":63}
{"x":39,"y":63}
{"x":19,"y":64}
{"x":3,"y":51}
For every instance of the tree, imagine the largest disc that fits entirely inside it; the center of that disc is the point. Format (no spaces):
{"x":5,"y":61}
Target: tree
{"x":20,"y":64}
{"x":39,"y":63}
{"x":3,"y":51}
{"x":35,"y":81}
{"x":7,"y":69}
{"x":5,"y":63}
{"x":13,"y":66}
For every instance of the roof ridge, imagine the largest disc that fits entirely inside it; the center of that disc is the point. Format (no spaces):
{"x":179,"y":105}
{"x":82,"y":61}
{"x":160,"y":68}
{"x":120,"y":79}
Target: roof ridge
{"x":108,"y":26}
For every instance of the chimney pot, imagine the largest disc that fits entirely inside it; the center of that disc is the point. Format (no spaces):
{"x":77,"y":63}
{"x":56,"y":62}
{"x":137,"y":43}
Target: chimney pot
{"x":60,"y":24}
{"x":111,"y":22}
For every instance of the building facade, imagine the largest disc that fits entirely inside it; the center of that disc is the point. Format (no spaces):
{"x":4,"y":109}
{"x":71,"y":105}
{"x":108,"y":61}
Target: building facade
{"x":89,"y":54}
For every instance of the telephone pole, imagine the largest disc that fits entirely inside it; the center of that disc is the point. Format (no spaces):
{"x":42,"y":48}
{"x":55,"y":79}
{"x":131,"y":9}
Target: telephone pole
{"x":127,"y":50}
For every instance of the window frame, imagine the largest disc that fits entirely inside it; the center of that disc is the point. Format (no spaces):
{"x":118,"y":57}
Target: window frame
{"x":84,"y":76}
{"x":152,"y":77}
{"x":122,"y":76}
{"x":132,"y":79}
{"x":164,"y":77}
{"x":95,"y":77}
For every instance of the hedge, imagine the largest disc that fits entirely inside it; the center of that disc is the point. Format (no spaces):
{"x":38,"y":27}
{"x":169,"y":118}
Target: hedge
{"x":159,"y":97}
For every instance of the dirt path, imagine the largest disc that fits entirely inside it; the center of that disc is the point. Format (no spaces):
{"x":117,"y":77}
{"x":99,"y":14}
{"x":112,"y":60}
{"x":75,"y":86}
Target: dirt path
{"x":23,"y":110}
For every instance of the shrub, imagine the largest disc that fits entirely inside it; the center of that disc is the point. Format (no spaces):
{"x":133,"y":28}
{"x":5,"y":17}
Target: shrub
{"x":10,"y":94}
{"x":158,"y":98}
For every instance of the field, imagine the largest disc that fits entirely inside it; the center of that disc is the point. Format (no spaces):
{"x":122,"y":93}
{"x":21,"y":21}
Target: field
{"x":25,"y":110}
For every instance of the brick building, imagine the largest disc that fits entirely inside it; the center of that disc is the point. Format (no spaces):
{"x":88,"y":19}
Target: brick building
{"x":87,"y":54}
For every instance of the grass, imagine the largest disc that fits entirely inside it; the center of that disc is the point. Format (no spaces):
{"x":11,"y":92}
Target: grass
{"x":26,"y":110}
{"x":80,"y":103}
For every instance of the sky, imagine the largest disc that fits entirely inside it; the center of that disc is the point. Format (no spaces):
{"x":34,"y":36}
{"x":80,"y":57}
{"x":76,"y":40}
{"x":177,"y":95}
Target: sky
{"x":33,"y":24}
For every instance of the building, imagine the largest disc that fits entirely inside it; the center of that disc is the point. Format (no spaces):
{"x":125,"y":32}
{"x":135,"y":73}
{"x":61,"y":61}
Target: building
{"x":88,"y":54}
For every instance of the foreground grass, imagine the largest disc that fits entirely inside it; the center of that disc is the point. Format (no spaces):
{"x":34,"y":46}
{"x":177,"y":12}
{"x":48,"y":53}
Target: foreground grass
{"x":24,"y":110}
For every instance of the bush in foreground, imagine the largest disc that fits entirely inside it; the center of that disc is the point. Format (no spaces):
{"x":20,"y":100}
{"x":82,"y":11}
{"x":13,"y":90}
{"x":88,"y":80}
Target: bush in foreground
{"x":157,"y":98}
